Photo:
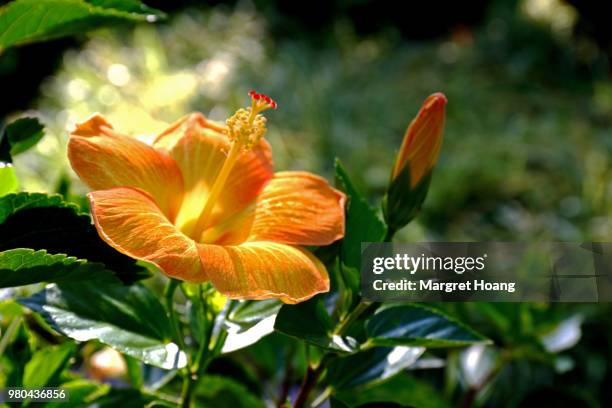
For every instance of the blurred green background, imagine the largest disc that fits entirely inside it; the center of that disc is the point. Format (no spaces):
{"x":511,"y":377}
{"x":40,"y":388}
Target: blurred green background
{"x":527,"y":149}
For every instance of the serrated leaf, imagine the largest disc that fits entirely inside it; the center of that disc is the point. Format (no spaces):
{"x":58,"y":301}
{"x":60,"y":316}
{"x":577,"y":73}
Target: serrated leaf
{"x":26,"y":266}
{"x":128,"y":318}
{"x":26,"y":21}
{"x":43,"y":222}
{"x":14,"y":203}
{"x":409,"y":324}
{"x":18,"y":137}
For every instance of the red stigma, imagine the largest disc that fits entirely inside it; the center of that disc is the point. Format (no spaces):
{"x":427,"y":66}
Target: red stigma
{"x":257,"y":96}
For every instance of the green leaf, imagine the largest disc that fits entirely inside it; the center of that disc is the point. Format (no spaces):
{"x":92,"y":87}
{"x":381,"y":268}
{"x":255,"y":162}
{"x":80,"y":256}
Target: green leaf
{"x":26,"y":266}
{"x":8,"y":179}
{"x":27,"y":21}
{"x":409,"y":324}
{"x":128,"y":318}
{"x":18,"y":137}
{"x":249,"y":322}
{"x":401,"y":389}
{"x":217,"y":391}
{"x":132,"y":6}
{"x":43,"y":222}
{"x":371,"y":366}
{"x":362,"y":225}
{"x":46,"y":365}
{"x":17,"y":353}
{"x":362,"y":222}
{"x":13,"y":203}
{"x":310,"y":321}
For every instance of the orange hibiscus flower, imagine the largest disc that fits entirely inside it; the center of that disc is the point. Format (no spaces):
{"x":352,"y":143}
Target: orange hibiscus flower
{"x":204,"y":204}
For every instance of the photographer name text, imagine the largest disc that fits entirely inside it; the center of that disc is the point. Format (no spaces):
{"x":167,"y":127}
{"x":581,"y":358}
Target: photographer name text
{"x":413,"y":264}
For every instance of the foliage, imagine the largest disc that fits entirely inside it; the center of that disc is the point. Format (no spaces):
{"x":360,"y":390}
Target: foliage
{"x":18,"y":137}
{"x":27,"y":21}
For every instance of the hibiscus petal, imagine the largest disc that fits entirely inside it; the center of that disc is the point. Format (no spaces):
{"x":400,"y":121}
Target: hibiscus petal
{"x":191,"y":122}
{"x":130,"y":221}
{"x":298,"y":208}
{"x":104,"y":159}
{"x":264,"y":270}
{"x":200,"y":148}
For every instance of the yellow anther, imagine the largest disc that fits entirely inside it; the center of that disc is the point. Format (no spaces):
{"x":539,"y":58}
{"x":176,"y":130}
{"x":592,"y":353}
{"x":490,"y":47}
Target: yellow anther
{"x":246,"y":128}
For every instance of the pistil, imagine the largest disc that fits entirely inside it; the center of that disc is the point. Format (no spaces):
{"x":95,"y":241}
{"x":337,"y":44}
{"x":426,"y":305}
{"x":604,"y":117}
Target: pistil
{"x":245,"y":128}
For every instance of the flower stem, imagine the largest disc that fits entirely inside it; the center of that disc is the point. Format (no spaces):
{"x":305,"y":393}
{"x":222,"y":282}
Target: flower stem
{"x":210,"y":347}
{"x":189,"y":385}
{"x":310,"y":380}
{"x":351,"y":317}
{"x":389,"y":235}
{"x":174,"y":322}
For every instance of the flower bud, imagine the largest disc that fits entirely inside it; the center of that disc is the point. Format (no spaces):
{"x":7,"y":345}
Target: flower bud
{"x":417,"y":157}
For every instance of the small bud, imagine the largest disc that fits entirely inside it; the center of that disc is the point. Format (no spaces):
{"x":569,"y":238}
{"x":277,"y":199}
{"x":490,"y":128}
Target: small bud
{"x":417,"y":157}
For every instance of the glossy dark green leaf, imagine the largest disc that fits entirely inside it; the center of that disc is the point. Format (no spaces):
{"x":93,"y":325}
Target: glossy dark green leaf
{"x":311,"y":322}
{"x":371,"y":366}
{"x":8,"y":179}
{"x":46,"y":365}
{"x":409,"y":324}
{"x":26,"y":266}
{"x":249,"y":322}
{"x":128,"y":318}
{"x":46,"y":222}
{"x":401,"y":389}
{"x":27,"y":21}
{"x":362,"y":222}
{"x":18,"y":137}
